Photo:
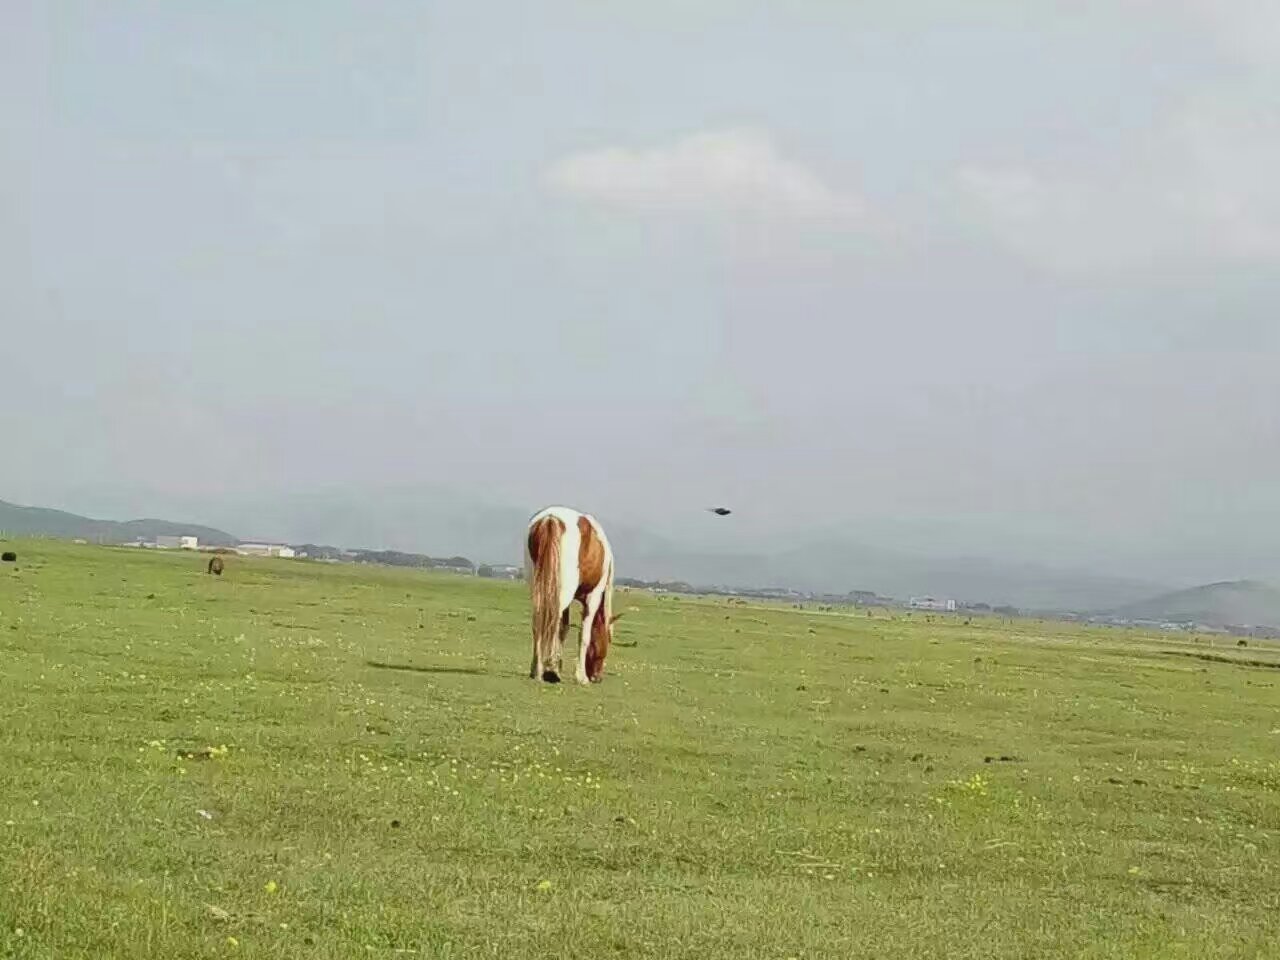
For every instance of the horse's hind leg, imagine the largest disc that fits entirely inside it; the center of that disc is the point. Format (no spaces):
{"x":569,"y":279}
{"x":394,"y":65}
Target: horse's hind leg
{"x":560,"y":638}
{"x":549,"y":669}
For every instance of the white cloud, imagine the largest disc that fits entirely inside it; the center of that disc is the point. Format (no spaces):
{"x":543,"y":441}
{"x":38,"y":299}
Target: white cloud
{"x":1202,"y":186}
{"x":1011,"y":194}
{"x":1232,"y":152}
{"x":1054,"y":222}
{"x":737,"y":172}
{"x":1246,"y":30}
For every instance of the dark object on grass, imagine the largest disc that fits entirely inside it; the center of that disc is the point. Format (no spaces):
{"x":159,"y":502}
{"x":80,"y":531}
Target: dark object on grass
{"x":215,"y":566}
{"x":9,"y":556}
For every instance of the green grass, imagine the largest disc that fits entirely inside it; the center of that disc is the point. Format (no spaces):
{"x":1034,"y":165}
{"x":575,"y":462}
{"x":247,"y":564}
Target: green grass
{"x":746,"y":783}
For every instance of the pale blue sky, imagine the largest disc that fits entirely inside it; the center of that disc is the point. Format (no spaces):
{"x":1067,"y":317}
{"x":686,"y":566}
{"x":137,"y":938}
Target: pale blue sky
{"x":992,"y":277}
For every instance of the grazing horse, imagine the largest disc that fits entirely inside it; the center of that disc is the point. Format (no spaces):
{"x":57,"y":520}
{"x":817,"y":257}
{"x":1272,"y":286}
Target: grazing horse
{"x":567,"y":558}
{"x":215,"y":566}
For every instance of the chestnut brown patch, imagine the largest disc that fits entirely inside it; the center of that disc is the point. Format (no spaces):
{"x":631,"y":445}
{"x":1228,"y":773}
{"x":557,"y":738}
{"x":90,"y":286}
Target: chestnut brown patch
{"x":590,"y":559}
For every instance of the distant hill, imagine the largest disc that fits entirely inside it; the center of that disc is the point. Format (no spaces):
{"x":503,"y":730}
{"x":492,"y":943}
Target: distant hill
{"x":1227,"y":604}
{"x":19,"y":521}
{"x":442,"y":522}
{"x":838,"y":566}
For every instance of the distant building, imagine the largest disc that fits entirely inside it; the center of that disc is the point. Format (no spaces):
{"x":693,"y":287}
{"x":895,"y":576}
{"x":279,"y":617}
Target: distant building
{"x":931,"y":603}
{"x":181,"y":542}
{"x":266,"y":550}
{"x":499,"y":571}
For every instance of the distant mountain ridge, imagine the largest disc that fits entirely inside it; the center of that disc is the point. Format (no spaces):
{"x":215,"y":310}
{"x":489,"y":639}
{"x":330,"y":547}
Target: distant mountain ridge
{"x":440,"y":522}
{"x":838,"y":566}
{"x":1230,"y":603}
{"x":18,"y":520}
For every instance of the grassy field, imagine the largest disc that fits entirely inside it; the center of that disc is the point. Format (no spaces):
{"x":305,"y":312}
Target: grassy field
{"x":311,"y":761}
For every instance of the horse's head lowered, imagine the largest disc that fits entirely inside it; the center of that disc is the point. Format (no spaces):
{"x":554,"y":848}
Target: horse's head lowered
{"x":598,"y":647}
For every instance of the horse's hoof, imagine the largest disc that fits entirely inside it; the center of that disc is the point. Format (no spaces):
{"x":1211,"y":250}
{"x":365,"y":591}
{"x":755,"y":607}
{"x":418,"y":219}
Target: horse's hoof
{"x":550,"y":676}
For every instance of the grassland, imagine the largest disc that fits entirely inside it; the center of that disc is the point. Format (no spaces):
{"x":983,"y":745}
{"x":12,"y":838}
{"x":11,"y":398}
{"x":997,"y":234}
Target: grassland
{"x":307,"y":761}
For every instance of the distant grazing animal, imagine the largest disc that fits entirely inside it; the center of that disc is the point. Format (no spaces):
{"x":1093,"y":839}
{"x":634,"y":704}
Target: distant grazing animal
{"x":215,"y":566}
{"x":568,"y":558}
{"x":9,"y":556}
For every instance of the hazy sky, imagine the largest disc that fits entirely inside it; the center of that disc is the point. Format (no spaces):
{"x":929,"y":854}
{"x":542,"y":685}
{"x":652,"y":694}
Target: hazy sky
{"x":994,"y":277}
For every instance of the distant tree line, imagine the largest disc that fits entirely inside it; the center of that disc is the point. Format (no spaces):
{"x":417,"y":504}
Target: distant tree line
{"x":670,"y":586}
{"x":398,"y":558}
{"x":496,"y":571}
{"x":390,"y":558}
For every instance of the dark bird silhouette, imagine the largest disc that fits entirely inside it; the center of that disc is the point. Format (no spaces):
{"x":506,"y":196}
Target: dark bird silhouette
{"x":720,"y":511}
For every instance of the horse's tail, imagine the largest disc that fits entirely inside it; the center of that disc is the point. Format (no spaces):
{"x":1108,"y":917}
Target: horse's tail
{"x":544,"y":587}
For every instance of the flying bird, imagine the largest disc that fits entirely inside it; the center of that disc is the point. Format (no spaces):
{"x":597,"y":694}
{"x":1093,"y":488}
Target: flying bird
{"x":720,"y":511}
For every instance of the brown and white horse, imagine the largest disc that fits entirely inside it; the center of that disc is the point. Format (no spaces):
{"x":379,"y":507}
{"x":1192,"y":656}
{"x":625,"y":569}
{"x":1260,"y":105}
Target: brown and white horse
{"x":567,"y":558}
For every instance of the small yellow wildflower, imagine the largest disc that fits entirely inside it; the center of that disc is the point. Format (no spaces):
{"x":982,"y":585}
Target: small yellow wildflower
{"x":544,"y":885}
{"x":271,"y":886}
